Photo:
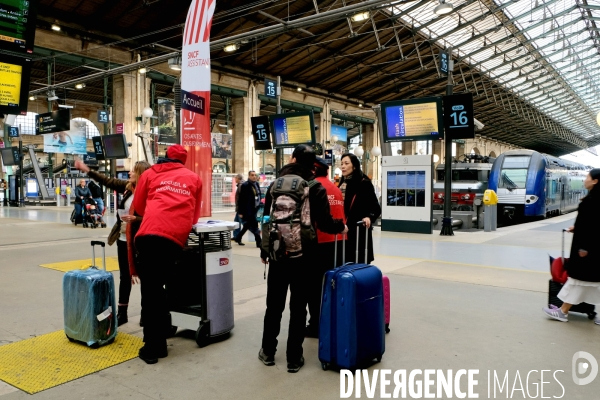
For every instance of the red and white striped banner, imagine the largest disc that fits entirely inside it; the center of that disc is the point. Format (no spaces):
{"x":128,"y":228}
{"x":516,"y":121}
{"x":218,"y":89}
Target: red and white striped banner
{"x":195,"y":79}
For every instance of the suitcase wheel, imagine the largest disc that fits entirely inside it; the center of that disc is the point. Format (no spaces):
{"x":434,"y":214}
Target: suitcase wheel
{"x":591,"y":315}
{"x":387,"y":328}
{"x":325,"y":366}
{"x":95,"y":346}
{"x":202,"y":337}
{"x":379,"y":359}
{"x":70,"y":340}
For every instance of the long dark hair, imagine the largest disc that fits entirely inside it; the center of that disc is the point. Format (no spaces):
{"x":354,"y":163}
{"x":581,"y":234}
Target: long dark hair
{"x":357,"y":174}
{"x":595,"y":192}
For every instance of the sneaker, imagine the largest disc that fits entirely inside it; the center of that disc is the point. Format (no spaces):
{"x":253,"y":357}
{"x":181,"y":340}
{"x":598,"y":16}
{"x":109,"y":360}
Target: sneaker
{"x":267,"y":360}
{"x":151,"y":357}
{"x":597,"y":321}
{"x":294,"y":367}
{"x":556,"y":313}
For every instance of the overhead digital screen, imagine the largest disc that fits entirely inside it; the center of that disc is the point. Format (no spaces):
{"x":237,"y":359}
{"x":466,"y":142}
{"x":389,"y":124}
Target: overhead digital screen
{"x":416,"y":119}
{"x":14,"y":84}
{"x":10,"y":156}
{"x":115,"y":146}
{"x":292,"y":129}
{"x":17,"y":25}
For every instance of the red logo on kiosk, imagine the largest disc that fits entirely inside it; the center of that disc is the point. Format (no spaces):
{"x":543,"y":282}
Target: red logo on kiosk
{"x":223,"y":262}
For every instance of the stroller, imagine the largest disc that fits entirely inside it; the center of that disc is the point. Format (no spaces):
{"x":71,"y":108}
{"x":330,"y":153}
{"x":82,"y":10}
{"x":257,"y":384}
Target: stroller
{"x":91,"y":214}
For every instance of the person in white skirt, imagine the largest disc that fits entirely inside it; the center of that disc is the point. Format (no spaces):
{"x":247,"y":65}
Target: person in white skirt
{"x":583,"y":267}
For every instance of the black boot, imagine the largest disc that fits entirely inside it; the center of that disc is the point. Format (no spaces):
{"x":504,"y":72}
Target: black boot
{"x":122,"y":316}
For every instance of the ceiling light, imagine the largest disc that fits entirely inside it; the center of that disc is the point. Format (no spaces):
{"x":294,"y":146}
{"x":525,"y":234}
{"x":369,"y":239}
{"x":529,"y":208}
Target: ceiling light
{"x":299,"y":89}
{"x":32,"y":98}
{"x":443,"y":8}
{"x":55,"y":28}
{"x":142,"y":70}
{"x":231,"y":47}
{"x":360,"y":16}
{"x":80,"y":86}
{"x":175,"y":63}
{"x":360,"y":105}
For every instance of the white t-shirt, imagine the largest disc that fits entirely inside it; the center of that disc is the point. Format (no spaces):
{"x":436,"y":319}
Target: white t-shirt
{"x":128,"y":203}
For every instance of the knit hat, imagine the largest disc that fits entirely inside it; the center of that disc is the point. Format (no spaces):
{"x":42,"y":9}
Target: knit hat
{"x":177,"y":152}
{"x":320,"y":163}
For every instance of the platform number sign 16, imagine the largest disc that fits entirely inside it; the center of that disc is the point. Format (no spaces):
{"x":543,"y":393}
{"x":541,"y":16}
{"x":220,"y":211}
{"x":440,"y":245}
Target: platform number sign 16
{"x":458,"y":116}
{"x":261,"y":132}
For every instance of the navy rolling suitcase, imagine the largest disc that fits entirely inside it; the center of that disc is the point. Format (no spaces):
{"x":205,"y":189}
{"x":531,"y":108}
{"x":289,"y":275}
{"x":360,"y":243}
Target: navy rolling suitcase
{"x":352,"y":324}
{"x":89,"y":304}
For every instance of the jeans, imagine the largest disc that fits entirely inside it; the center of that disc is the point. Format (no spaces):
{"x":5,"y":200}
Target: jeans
{"x":78,"y":211}
{"x":100,"y":203}
{"x":252,"y":226}
{"x":290,"y":273}
{"x":236,"y":231}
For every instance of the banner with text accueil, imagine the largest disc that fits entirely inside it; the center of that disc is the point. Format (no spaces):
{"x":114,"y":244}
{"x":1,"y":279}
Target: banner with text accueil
{"x":195,"y":93}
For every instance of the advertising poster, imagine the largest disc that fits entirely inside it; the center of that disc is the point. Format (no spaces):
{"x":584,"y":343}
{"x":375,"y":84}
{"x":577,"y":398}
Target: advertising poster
{"x":221,"y":145}
{"x":340,"y":147}
{"x":196,"y":79}
{"x":72,"y":141}
{"x":167,"y":126}
{"x":412,"y":120}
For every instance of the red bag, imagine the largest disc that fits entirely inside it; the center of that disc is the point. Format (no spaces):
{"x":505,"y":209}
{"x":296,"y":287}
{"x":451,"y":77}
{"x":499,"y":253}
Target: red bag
{"x":558,"y":271}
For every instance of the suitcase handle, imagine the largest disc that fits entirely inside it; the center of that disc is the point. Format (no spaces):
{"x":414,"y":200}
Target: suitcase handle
{"x":343,"y":250}
{"x":103,"y":245}
{"x":562,"y":247}
{"x":358,"y":225}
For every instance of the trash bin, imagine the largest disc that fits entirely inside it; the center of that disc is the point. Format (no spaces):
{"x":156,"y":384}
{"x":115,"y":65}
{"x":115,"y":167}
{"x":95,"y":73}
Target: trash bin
{"x":200,"y":296}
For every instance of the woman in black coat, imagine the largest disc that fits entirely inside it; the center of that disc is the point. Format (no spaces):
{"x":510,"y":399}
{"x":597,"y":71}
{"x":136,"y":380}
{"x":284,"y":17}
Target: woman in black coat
{"x":360,"y":204}
{"x":583,"y":267}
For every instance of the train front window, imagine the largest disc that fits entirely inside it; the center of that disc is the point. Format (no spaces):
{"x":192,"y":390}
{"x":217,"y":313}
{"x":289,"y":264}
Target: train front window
{"x":514,"y":172}
{"x":459,"y":175}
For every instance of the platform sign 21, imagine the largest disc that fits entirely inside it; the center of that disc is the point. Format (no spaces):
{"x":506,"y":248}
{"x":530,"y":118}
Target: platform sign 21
{"x":458,"y":116}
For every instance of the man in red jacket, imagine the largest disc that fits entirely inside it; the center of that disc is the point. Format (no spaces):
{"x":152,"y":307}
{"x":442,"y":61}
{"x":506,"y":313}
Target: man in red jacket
{"x":326,"y":247}
{"x":168,"y":197}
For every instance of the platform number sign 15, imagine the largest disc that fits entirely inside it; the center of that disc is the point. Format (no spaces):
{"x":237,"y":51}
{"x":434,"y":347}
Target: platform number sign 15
{"x":271,"y":88}
{"x":458,"y":116}
{"x":261,"y":132}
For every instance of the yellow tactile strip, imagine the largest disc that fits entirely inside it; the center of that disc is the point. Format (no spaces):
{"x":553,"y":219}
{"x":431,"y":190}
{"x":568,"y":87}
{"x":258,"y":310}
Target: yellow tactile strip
{"x":112,"y":264}
{"x":50,"y":360}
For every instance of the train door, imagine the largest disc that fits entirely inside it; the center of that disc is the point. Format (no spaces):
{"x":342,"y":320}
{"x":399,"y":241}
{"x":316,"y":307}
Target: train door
{"x":562,"y":194}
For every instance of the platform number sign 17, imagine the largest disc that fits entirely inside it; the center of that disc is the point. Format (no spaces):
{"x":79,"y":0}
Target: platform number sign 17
{"x":261,"y":132}
{"x":271,"y":88}
{"x":458,"y":116}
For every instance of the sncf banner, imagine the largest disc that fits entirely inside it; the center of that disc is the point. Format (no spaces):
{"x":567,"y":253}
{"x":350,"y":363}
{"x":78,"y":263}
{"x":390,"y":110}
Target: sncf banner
{"x":195,"y":86}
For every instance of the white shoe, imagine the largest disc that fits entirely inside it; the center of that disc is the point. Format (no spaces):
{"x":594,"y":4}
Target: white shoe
{"x":597,"y":321}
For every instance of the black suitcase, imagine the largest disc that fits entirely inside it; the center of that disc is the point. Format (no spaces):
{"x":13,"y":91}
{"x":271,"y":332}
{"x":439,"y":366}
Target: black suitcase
{"x":584,"y":308}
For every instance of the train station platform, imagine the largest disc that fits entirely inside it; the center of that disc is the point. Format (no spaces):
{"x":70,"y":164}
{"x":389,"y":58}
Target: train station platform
{"x":471,"y":301}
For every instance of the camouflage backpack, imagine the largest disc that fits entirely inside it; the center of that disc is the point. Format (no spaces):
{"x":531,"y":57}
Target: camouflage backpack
{"x":289,"y":229}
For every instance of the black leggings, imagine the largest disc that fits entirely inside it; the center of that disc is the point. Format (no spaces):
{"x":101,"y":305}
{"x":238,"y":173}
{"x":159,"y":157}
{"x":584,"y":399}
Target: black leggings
{"x":125,"y":277}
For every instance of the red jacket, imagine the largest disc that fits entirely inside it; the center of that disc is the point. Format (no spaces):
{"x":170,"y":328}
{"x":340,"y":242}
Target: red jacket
{"x":168,"y":196}
{"x":336,"y":207}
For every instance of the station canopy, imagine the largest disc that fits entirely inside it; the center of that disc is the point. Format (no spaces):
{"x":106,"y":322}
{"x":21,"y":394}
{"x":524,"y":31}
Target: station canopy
{"x":532,"y":66}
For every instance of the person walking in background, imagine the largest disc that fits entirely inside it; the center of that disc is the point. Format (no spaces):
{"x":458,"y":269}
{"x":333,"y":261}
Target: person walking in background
{"x":248,"y":205}
{"x":238,"y":180}
{"x":583,"y":266}
{"x":169,"y":198}
{"x":360,"y":204}
{"x":96,"y":191}
{"x":81,"y":193}
{"x":293,"y":271}
{"x":118,"y":232}
{"x":326,"y":248}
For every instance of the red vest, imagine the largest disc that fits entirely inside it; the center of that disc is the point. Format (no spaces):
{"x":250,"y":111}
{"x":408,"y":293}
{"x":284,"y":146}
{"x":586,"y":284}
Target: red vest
{"x":336,"y":207}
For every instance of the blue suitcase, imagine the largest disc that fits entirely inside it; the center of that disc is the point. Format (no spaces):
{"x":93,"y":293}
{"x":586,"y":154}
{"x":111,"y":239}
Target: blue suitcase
{"x":89,"y":304}
{"x":352,"y":323}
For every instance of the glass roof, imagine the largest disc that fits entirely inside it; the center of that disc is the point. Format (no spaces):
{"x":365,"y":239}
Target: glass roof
{"x":547,"y":53}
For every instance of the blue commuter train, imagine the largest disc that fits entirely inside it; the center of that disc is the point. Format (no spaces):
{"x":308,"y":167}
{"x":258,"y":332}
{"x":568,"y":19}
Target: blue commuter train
{"x":532,"y":184}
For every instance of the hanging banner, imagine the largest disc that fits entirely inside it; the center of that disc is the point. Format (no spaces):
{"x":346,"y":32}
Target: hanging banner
{"x":167,"y":126}
{"x":195,"y":80}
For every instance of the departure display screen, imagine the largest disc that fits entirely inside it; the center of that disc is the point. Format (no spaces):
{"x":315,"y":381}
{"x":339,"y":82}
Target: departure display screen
{"x":290,"y":130}
{"x":415,"y":119}
{"x":14,"y":84}
{"x":17,"y":25}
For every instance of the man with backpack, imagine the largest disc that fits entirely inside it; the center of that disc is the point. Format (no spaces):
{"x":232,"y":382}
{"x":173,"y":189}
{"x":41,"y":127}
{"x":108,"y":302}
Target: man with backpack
{"x":296,"y":202}
{"x":326,"y":249}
